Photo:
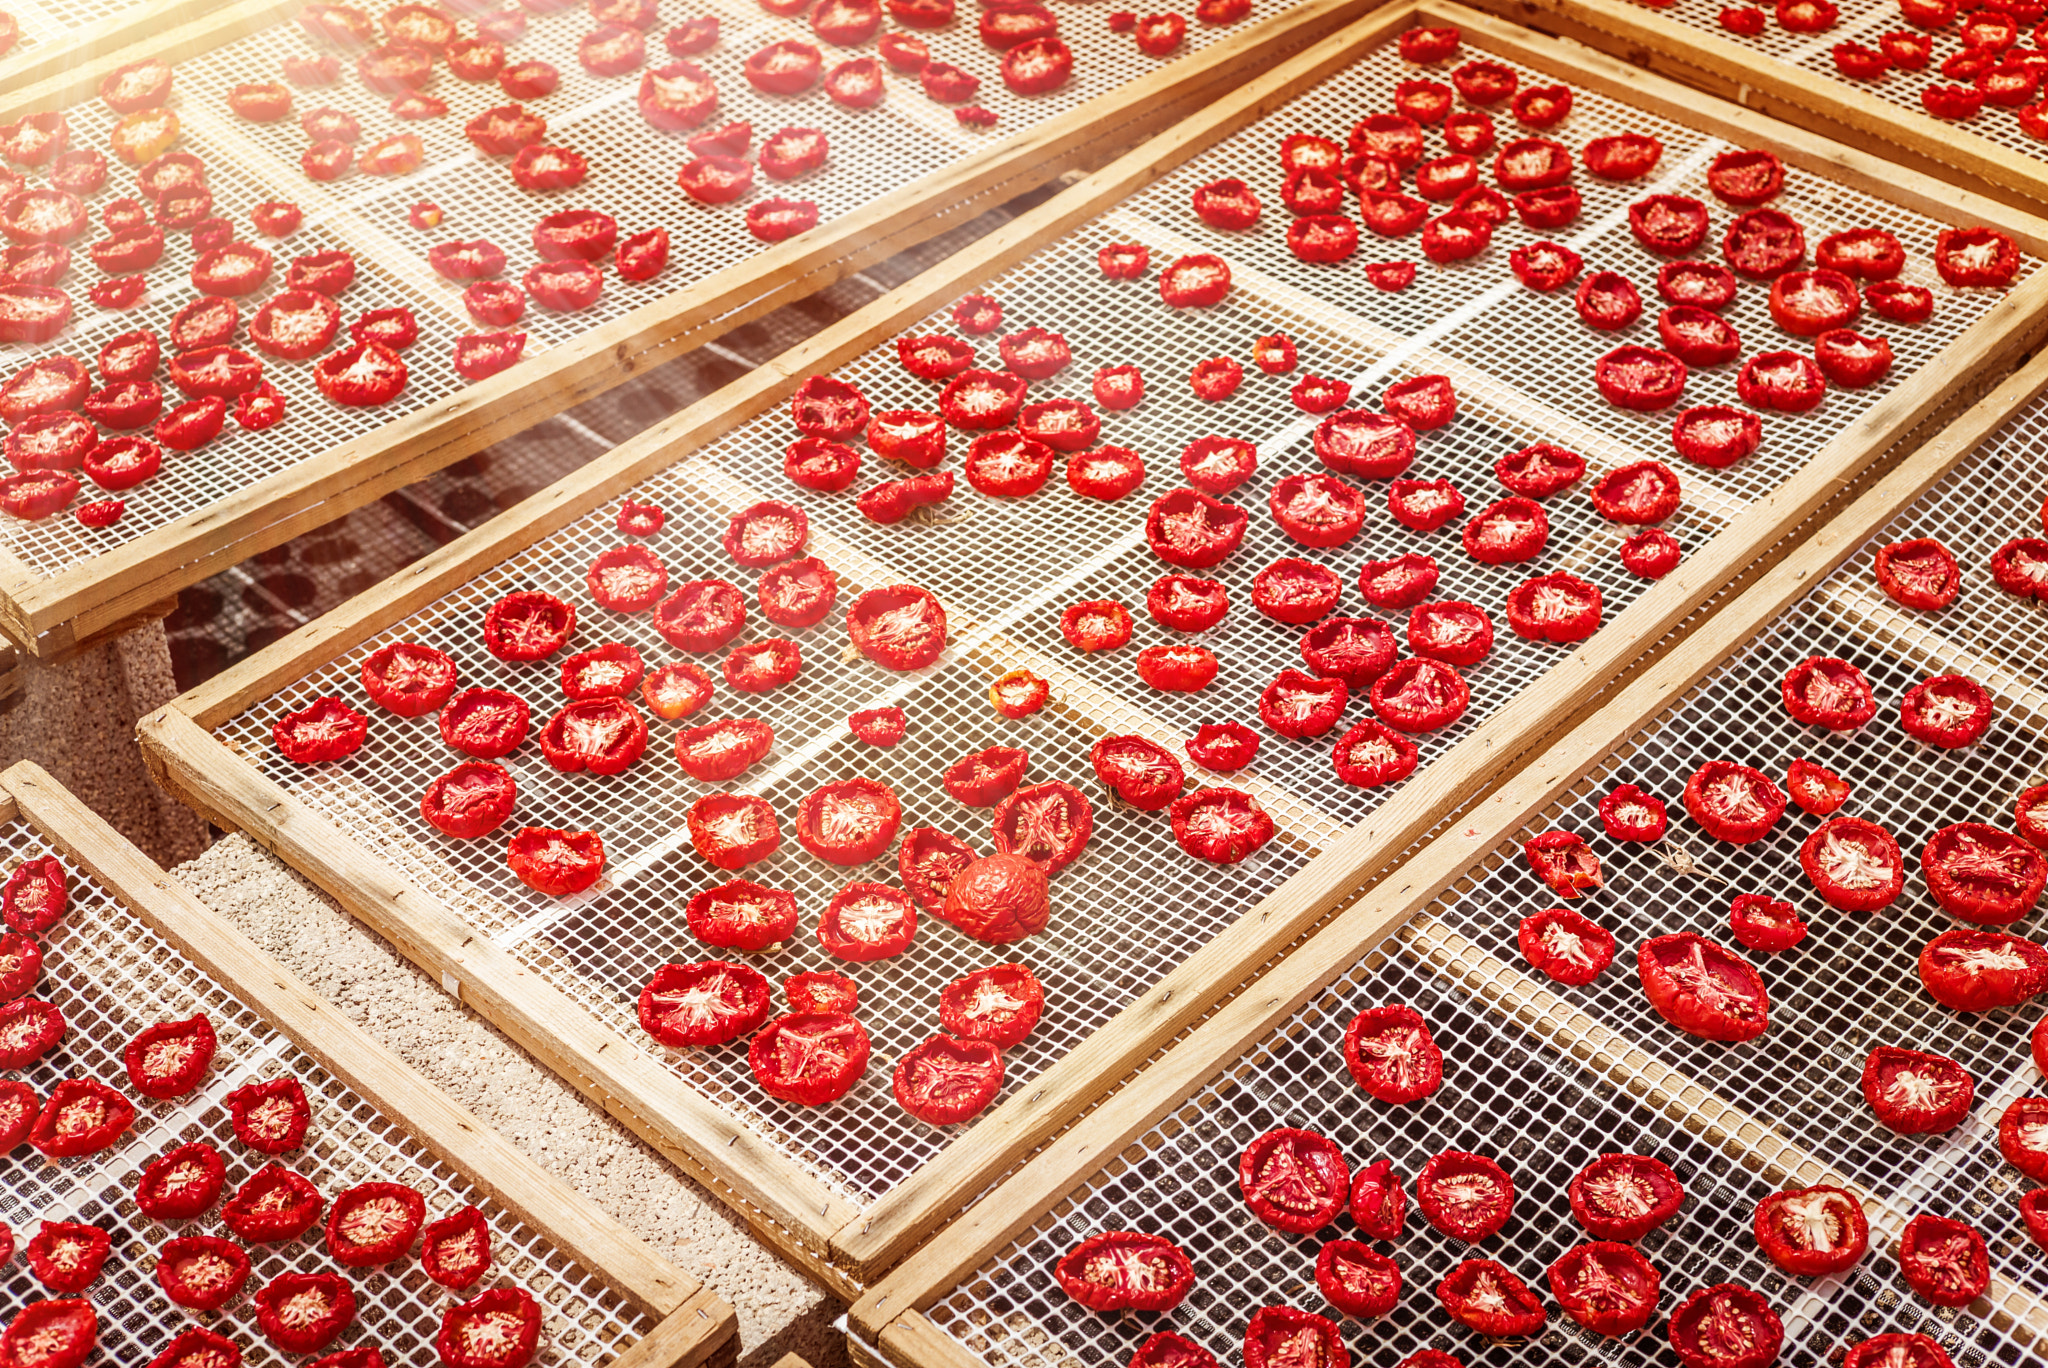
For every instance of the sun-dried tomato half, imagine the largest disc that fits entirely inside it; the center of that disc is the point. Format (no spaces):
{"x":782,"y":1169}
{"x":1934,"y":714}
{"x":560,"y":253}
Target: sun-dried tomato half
{"x":1629,"y":814}
{"x":849,"y":821}
{"x":1921,"y":573}
{"x":528,"y":624}
{"x":918,"y":439}
{"x":1294,"y":1180}
{"x":1763,"y":244}
{"x":1725,"y":1326}
{"x":1456,"y":633}
{"x":1950,"y":711}
{"x":1547,"y":265}
{"x":455,"y":1251}
{"x":374,"y":1223}
{"x":21,"y":964}
{"x":809,"y":1058}
{"x":1223,"y":746}
{"x":170,"y":1058}
{"x":1506,"y":531}
{"x":1564,"y":861}
{"x":273,"y":1205}
{"x":979,"y":400}
{"x":1864,"y":253}
{"x":2030,"y":815}
{"x":1716,"y":436}
{"x":1782,"y":381}
{"x":485,"y":723}
{"x":1389,"y":213}
{"x":983,"y":778}
{"x":1943,"y":1260}
{"x":1456,"y":236}
{"x":1734,"y":803}
{"x":39,"y":493}
{"x":2023,"y":1136}
{"x":1417,"y":695}
{"x":1982,"y":874}
{"x":1606,"y":300}
{"x":1641,"y":379}
{"x":1354,"y":650}
{"x":1560,"y":608}
{"x":1317,"y":510}
{"x":1697,"y":336}
{"x":224,"y":372}
{"x":898,"y":626}
{"x":556,"y":862}
{"x":1008,"y":465}
{"x":326,"y":729}
{"x":395,"y":327}
{"x":1468,"y":1197}
{"x":1565,"y":946}
{"x":1762,"y":923}
{"x":1852,"y":359}
{"x":1808,"y":303}
{"x":33,"y":313}
{"x":1216,"y":465}
{"x":707,"y":1003}
{"x":629,"y":579}
{"x":201,"y":1272}
{"x":798,"y":593}
{"x":1142,"y":773}
{"x":470,"y":800}
{"x":1854,"y":864}
{"x":330,"y":273}
{"x":1423,"y":101}
{"x":1977,"y":971}
{"x":603,"y":735}
{"x":18,"y":1108}
{"x":1046,"y":824}
{"x":928,"y":860}
{"x":29,"y":1029}
{"x":1826,"y":691}
{"x":821,"y":992}
{"x":1298,"y":705}
{"x":62,"y":440}
{"x":742,"y":915}
{"x":1216,"y":379}
{"x":1625,"y":1196}
{"x":303,"y":1312}
{"x":1607,"y":1287}
{"x":1668,"y":225}
{"x":81,"y":1116}
{"x":877,"y":726}
{"x":1018,"y":693}
{"x":946,"y":1081}
{"x":51,"y":385}
{"x":1186,"y":527}
{"x":1424,"y":402}
{"x":272,"y":1116}
{"x":1178,"y":669}
{"x":1295,"y":591}
{"x":934,"y":357}
{"x":1702,"y":988}
{"x":1812,"y":1232}
{"x":1195,"y":282}
{"x":722,"y":750}
{"x":1123,"y":1270}
{"x":999,"y":1005}
{"x":1815,"y":789}
{"x":1969,"y":258}
{"x":1187,"y":604}
{"x":1096,"y":625}
{"x":1392,"y":1055}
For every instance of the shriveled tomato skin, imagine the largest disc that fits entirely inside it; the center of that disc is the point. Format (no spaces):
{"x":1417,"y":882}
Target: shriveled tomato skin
{"x":1943,"y":1260}
{"x":1627,"y":1283}
{"x":1980,"y":873}
{"x":746,"y":1009}
{"x":999,"y":899}
{"x":1294,"y":1180}
{"x":1577,"y":956}
{"x":1713,"y":993}
{"x":1466,"y":1196}
{"x":1624,"y":1196}
{"x":1765,"y":1331}
{"x":1748,"y":815}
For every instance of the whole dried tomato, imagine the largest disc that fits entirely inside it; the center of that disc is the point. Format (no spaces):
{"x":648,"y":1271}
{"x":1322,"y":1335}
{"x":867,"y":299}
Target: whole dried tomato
{"x":1702,"y":988}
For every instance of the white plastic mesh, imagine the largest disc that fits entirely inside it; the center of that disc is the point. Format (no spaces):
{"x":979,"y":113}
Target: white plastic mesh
{"x":111,"y":975}
{"x":1850,"y":986}
{"x":632,"y":176}
{"x":1006,"y":570}
{"x":1863,"y":22}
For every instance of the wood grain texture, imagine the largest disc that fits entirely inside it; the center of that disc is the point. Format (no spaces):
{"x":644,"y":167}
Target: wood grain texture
{"x":1239,"y":1025}
{"x":311,"y":493}
{"x":58,"y":75}
{"x":695,"y":1322}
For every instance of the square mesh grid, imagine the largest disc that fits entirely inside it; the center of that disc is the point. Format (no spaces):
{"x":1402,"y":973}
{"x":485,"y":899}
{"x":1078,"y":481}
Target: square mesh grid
{"x":112,"y":975}
{"x":1851,"y":985}
{"x":874,"y":152}
{"x":1864,"y":21}
{"x":1006,"y":568}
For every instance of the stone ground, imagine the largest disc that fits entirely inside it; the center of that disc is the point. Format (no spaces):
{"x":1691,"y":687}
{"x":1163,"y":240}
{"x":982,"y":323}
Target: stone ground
{"x":77,"y":720}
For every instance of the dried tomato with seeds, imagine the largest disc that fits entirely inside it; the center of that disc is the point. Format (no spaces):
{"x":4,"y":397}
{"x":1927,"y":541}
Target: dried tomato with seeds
{"x":272,"y":1205}
{"x":877,"y":726}
{"x":81,"y":1116}
{"x":29,"y":1029}
{"x":1921,"y":573}
{"x":685,"y":1005}
{"x":1355,"y":650}
{"x":18,"y":1109}
{"x":1812,"y":1232}
{"x":528,"y":624}
{"x":1640,"y":379}
{"x":1565,"y":946}
{"x":1898,"y":1351}
{"x":1943,"y":1260}
{"x":1978,"y":971}
{"x":374,"y":1223}
{"x":1545,"y":266}
{"x":1982,"y":874}
{"x":21,"y":964}
{"x":1294,"y":1180}
{"x":1970,"y":258}
{"x":1456,"y":633}
{"x":1668,"y":225}
{"x":1096,"y":625}
{"x":1764,"y":924}
{"x":170,"y":1058}
{"x":1507,"y":531}
{"x":1703,"y":988}
{"x":1178,"y":669}
{"x":1900,"y":303}
{"x":409,"y":679}
{"x":1456,"y":236}
{"x":946,"y":1081}
{"x":1606,"y":1287}
{"x":555,"y":862}
{"x":1390,"y":1053}
{"x":201,"y":1272}
{"x":1104,"y":474}
{"x":1416,"y":695}
{"x":1018,"y":693}
{"x":1855,"y":865}
{"x":1950,"y":711}
{"x":58,"y":441}
{"x":1826,"y":691}
{"x":1216,"y":378}
{"x":722,"y":750}
{"x":1629,"y":814}
{"x":485,"y":723}
{"x":602,"y":735}
{"x":326,"y":729}
{"x":1815,"y":789}
{"x":1298,"y":705}
{"x":1120,"y":1270}
{"x":470,"y":800}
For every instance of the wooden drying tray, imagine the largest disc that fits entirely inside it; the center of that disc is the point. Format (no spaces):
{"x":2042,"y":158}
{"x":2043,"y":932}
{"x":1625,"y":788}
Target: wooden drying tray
{"x":890,"y":1319}
{"x":1821,"y":101}
{"x":53,"y":75}
{"x":693,"y":1324}
{"x":49,"y":613}
{"x":842,"y":1244}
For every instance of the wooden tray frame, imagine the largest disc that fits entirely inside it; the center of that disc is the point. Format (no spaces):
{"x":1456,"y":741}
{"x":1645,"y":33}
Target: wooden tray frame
{"x":843,"y":1246}
{"x":154,"y":27}
{"x":693,"y":1324}
{"x":888,"y":1326}
{"x":1820,"y":101}
{"x":133,"y":582}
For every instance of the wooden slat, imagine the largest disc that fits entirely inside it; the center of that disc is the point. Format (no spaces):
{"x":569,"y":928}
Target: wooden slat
{"x":270,"y":511}
{"x":615,"y":1073}
{"x":1833,"y":107}
{"x":870,"y":1241}
{"x":448,"y":1131}
{"x":58,"y":75}
{"x":1239,"y":1025}
{"x":701,"y":1329}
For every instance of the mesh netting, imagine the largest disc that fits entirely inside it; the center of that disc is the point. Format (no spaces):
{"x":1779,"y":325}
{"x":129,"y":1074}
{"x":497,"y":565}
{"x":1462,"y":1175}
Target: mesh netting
{"x":633,"y":166}
{"x":1006,"y":567}
{"x":111,"y":975}
{"x":1517,"y":1095}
